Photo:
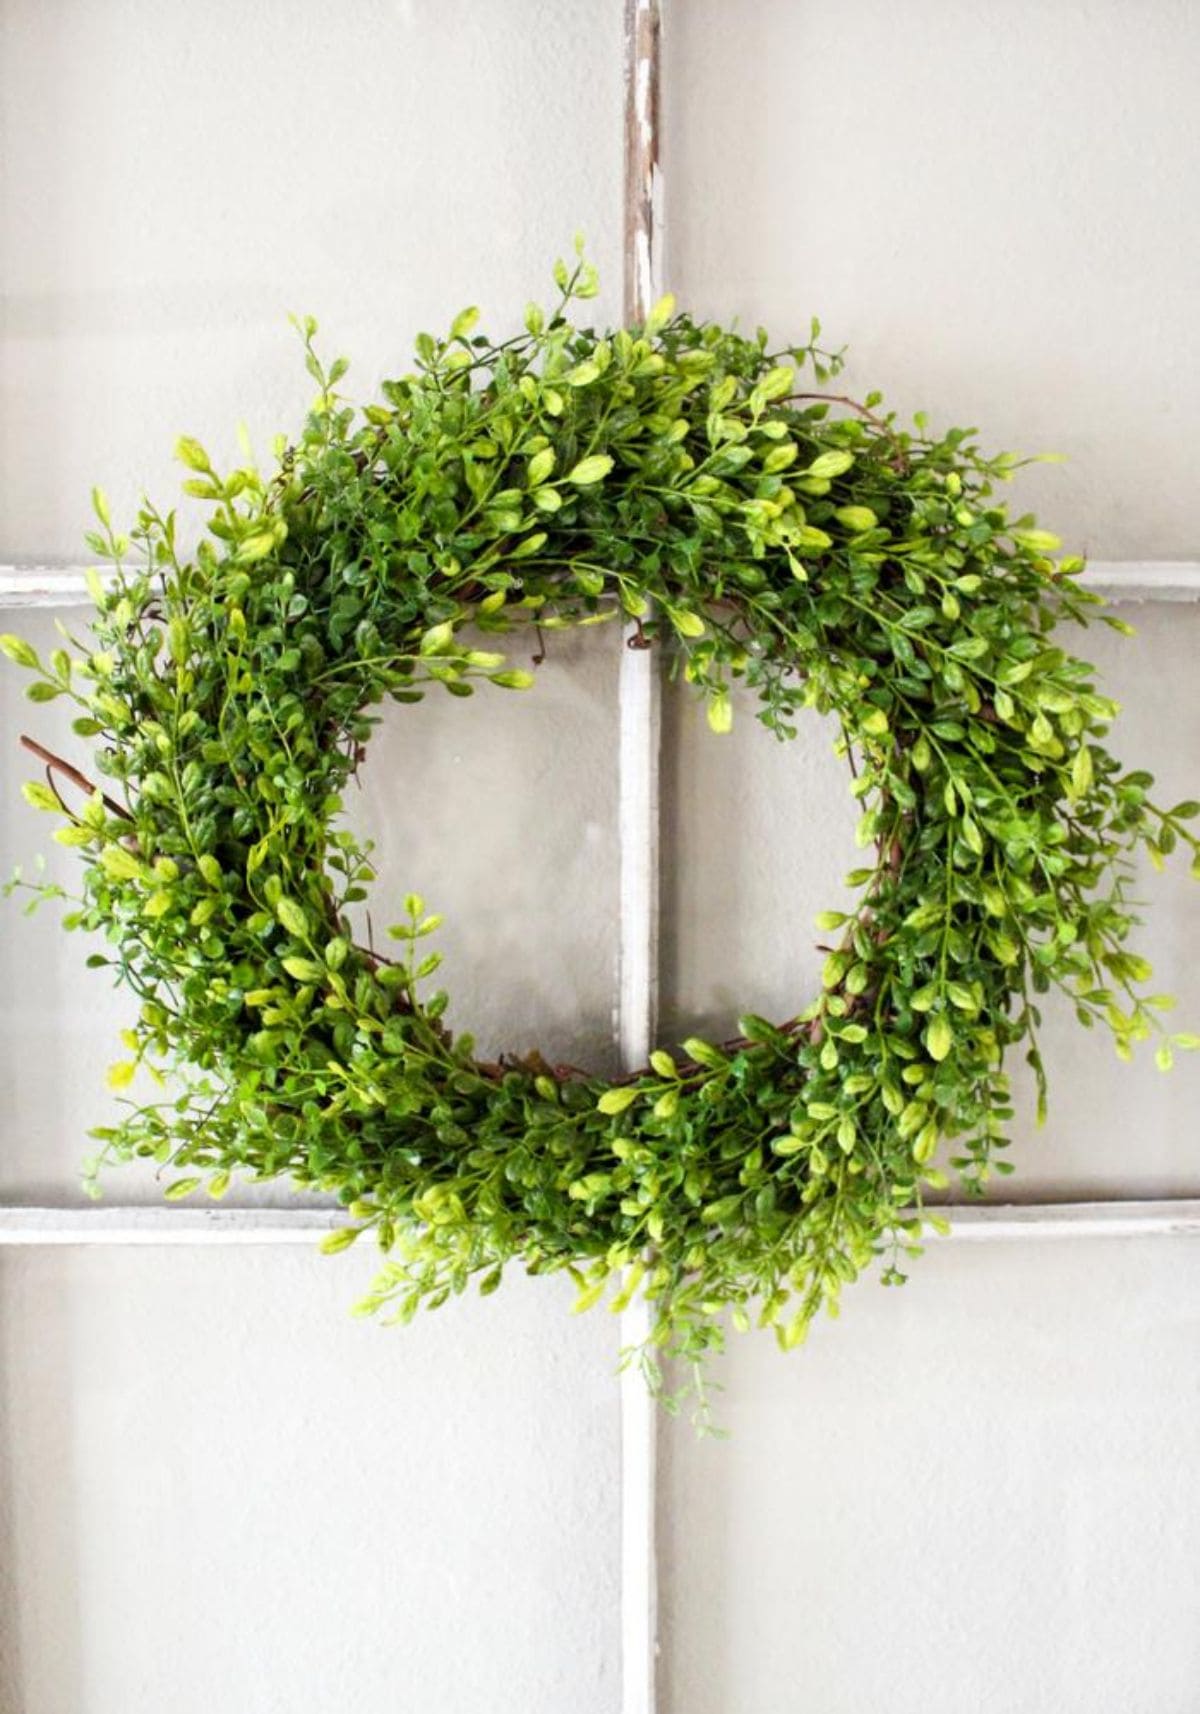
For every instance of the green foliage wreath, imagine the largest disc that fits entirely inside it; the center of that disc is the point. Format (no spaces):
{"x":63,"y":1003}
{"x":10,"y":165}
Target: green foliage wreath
{"x":678,"y":473}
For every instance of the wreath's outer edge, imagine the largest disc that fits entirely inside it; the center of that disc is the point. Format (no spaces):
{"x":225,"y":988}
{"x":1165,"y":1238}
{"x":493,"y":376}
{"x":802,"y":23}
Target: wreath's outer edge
{"x":830,"y":561}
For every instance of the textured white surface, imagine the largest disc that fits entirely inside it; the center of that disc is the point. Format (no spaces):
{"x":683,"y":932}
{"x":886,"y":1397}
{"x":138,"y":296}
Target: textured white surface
{"x":220,"y":1491}
{"x":639,"y":818}
{"x":976,"y":1493}
{"x":977,"y":1222}
{"x":989,"y":202}
{"x":60,"y":587}
{"x":175,"y":182}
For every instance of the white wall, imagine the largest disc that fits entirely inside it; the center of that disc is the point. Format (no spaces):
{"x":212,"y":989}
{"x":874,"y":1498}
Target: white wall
{"x":989,"y":201}
{"x":975,"y":1493}
{"x":220,"y":1492}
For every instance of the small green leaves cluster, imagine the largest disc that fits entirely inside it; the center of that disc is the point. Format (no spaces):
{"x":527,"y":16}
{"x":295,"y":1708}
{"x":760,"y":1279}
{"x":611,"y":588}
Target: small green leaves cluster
{"x":693,"y":480}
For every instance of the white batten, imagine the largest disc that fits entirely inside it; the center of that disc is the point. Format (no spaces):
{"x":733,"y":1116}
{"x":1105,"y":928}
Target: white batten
{"x":637,"y":990}
{"x":993,"y":1223}
{"x":638,"y":689}
{"x":1119,"y":579}
{"x":159,"y":1224}
{"x":1015,"y":1222}
{"x":39,"y":586}
{"x":1145,"y":579}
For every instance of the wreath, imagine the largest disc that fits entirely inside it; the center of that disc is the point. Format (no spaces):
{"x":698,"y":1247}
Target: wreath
{"x":681,"y":474}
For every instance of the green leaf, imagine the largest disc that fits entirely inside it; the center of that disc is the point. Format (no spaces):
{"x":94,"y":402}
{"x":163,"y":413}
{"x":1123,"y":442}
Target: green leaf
{"x":182,"y":1187}
{"x":191,"y":453}
{"x":304,"y":970}
{"x":256,"y":546}
{"x":704,"y":1053}
{"x":939,"y":1037}
{"x":588,"y":1298}
{"x":617,"y":1100}
{"x":687,"y":624}
{"x":1039,"y":541}
{"x":540,"y":467}
{"x":720,"y":712}
{"x":531,"y":545}
{"x":926,"y":1143}
{"x":463,"y":323}
{"x":18,"y":650}
{"x":122,"y":865}
{"x":661,"y":314}
{"x":776,"y":383}
{"x":809,"y":539}
{"x":292,"y":916}
{"x":590,"y":470}
{"x":830,"y":464}
{"x":40,"y":795}
{"x":856,"y":518}
{"x":583,"y":374}
{"x":339,"y":1239}
{"x":779,"y":458}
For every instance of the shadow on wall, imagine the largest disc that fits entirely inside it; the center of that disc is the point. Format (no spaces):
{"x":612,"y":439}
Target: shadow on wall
{"x":758,"y":835}
{"x":501,"y":811}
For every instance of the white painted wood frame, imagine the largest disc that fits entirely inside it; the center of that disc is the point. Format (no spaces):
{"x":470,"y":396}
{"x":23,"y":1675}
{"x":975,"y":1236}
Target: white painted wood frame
{"x":65,"y":587}
{"x":639,"y":743}
{"x":1120,"y":580}
{"x":974,"y":1222}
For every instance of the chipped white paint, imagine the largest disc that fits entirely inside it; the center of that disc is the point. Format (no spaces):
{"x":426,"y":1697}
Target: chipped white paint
{"x":981,"y":1223}
{"x":42,"y":586}
{"x":1119,"y":580}
{"x":976,"y":1223}
{"x":639,"y":813}
{"x":166,"y":1225}
{"x":1145,"y":580}
{"x":639,"y":694}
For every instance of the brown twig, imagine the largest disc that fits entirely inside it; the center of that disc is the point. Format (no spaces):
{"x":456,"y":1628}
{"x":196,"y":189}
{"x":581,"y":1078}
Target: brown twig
{"x":863,"y":411}
{"x":56,"y":764}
